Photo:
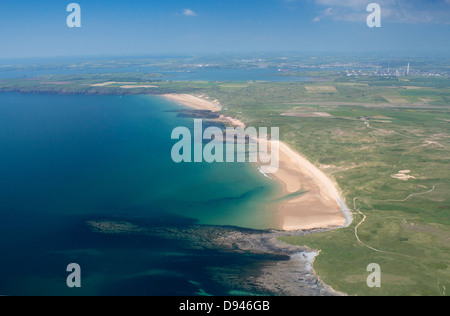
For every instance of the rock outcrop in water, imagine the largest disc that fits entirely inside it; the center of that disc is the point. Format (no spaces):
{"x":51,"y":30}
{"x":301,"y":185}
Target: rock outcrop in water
{"x":288,"y":273}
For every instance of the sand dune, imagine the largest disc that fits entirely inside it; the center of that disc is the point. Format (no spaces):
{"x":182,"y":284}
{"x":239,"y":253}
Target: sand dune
{"x":137,"y":86}
{"x":194,"y":102}
{"x":104,"y":84}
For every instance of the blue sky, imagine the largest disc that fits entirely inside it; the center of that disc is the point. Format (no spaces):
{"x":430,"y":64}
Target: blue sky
{"x":37,"y":28}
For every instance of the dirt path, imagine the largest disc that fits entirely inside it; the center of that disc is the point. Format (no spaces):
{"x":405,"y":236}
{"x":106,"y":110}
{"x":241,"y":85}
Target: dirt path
{"x":382,"y":251}
{"x":362,"y":222}
{"x":409,"y":196}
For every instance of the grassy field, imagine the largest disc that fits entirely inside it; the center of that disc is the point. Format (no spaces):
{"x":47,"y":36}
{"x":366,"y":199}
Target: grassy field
{"x":363,"y":144}
{"x":385,"y":141}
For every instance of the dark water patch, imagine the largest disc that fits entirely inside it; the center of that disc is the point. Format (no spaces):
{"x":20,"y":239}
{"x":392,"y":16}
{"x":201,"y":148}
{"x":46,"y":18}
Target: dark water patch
{"x":243,"y":196}
{"x":292,"y":196}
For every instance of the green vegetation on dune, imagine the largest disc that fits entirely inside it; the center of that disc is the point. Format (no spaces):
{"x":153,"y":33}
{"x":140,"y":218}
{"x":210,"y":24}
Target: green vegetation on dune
{"x":364,"y":146}
{"x":384,"y":140}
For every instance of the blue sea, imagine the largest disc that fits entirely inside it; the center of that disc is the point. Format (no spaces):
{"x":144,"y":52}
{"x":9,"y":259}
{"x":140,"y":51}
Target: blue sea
{"x":68,"y":160}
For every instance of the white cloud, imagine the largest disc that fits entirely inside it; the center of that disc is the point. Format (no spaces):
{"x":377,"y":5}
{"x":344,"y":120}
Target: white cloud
{"x":344,"y":3}
{"x":401,"y":11}
{"x":189,"y":12}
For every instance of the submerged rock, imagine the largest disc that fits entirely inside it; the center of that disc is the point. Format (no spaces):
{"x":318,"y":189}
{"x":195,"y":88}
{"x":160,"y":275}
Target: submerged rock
{"x":283,"y":270}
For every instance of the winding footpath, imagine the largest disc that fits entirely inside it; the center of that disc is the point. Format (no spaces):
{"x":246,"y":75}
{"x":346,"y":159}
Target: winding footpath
{"x":365,"y":217}
{"x":411,"y":196}
{"x":362,"y":222}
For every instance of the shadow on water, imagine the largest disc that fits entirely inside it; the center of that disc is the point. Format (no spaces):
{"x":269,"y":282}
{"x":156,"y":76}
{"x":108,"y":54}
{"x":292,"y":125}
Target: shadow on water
{"x":292,"y":196}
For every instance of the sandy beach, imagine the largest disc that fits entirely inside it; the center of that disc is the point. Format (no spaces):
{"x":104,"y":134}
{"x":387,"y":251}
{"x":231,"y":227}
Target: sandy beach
{"x":193,"y":102}
{"x":320,"y":205}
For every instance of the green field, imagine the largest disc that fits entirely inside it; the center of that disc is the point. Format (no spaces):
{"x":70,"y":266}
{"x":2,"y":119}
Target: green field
{"x":362,"y":145}
{"x":385,"y":141}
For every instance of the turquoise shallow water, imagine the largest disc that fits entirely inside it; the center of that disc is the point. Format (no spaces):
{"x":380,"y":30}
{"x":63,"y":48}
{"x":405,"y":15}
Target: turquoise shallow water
{"x":65,"y":160}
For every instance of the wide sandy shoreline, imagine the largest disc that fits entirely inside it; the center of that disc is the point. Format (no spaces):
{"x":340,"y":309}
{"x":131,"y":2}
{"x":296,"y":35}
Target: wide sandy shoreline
{"x":321,"y":204}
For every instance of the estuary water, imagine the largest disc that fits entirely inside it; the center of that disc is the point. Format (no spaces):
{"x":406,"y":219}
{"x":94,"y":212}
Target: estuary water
{"x":200,"y":74}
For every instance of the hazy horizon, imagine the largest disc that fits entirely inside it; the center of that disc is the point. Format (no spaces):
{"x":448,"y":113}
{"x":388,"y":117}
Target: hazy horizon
{"x":376,"y":55}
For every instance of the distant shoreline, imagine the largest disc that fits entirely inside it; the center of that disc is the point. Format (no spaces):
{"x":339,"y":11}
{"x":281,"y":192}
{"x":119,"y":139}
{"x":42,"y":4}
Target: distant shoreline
{"x":320,"y":207}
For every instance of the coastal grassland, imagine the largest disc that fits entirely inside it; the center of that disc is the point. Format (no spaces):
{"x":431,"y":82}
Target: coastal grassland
{"x":363,"y":142}
{"x":364,"y":133}
{"x":103,"y":84}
